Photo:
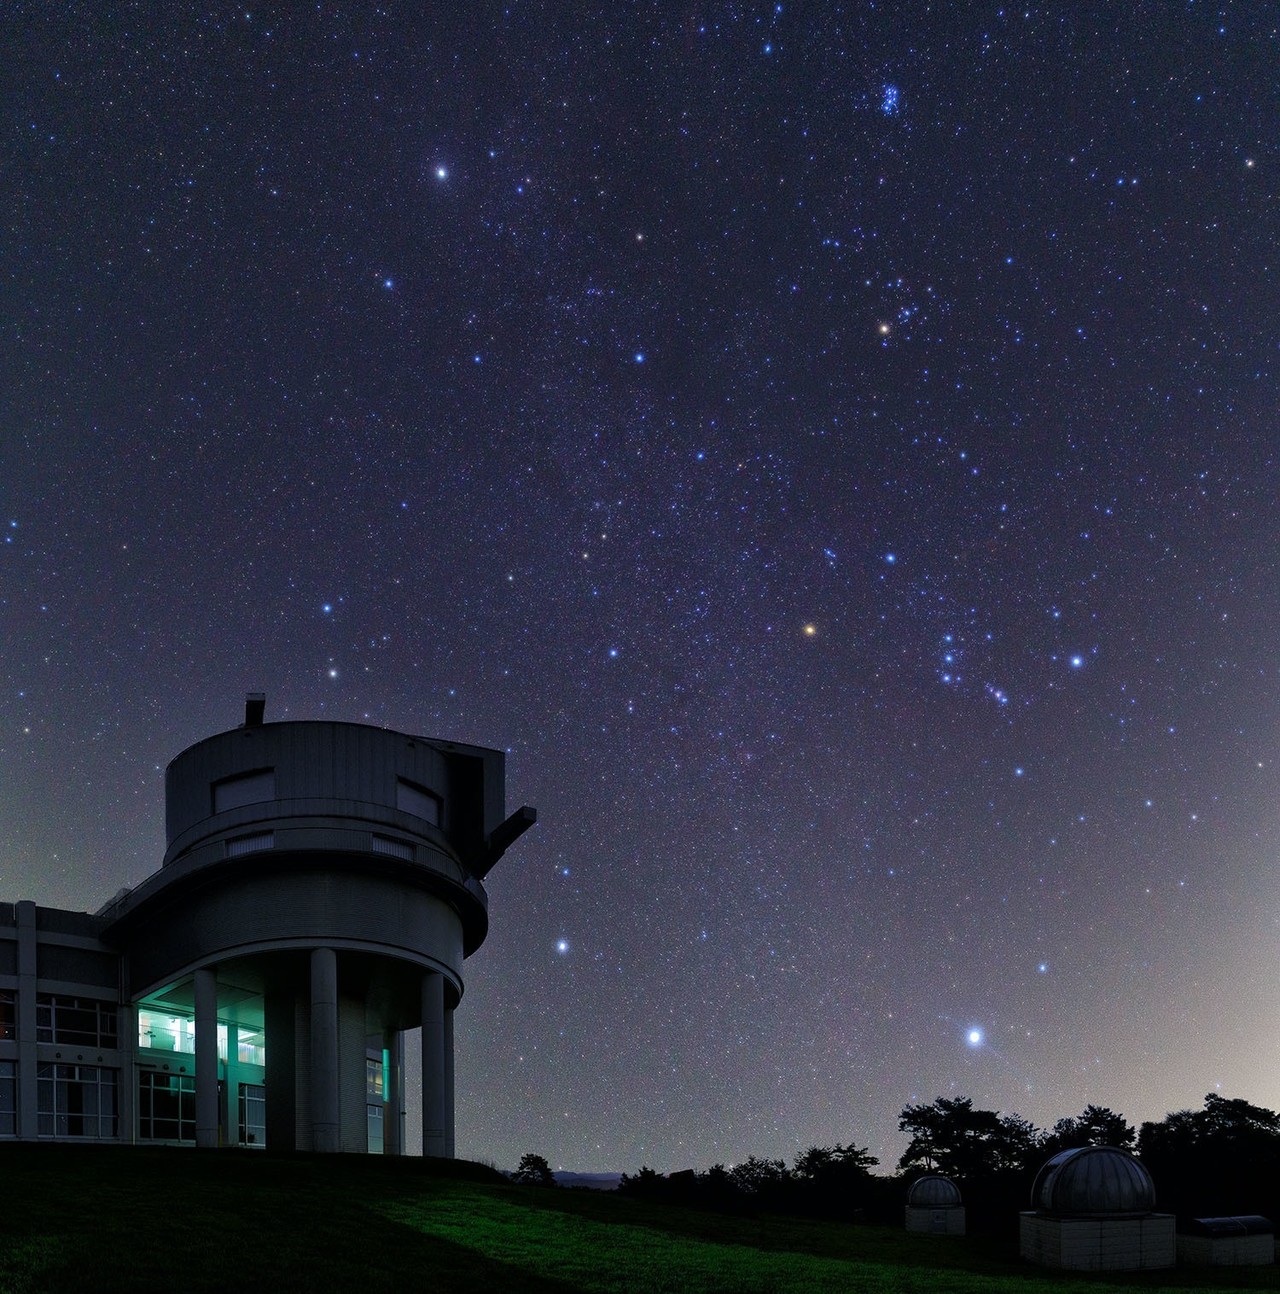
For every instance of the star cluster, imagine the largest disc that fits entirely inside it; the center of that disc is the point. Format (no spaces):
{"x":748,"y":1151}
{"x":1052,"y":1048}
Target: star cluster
{"x":832,"y":451}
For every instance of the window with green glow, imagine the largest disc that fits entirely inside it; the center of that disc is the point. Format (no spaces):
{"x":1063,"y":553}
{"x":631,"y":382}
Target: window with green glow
{"x":251,"y":1046}
{"x":164,"y":1031}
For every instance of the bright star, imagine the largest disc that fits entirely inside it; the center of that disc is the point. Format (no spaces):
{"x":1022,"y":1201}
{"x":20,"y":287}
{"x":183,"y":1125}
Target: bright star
{"x":442,"y":173}
{"x":1077,"y":662}
{"x":639,"y":357}
{"x":1043,"y":968}
{"x":562,"y":947}
{"x":974,"y":1037}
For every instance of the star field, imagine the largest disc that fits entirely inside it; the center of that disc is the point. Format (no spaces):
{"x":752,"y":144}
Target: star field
{"x":833,"y":452}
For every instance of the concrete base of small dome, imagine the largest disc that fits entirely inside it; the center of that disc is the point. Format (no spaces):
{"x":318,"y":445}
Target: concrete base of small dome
{"x":1226,"y":1251}
{"x":1098,"y":1244}
{"x":944,"y":1221}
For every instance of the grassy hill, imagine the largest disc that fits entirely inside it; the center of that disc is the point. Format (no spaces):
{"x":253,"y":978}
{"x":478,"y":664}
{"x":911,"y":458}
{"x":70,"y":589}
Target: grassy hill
{"x":90,"y":1220}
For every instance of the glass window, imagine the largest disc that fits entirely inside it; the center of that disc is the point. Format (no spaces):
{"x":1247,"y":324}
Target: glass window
{"x":8,"y":1099}
{"x":250,"y":1046}
{"x":75,"y":1021}
{"x":166,"y":1106}
{"x":8,"y":1014}
{"x":418,"y":800}
{"x":247,"y":788}
{"x":76,"y":1101}
{"x":374,"y":1122}
{"x":253,"y":1115}
{"x":373,"y":1079}
{"x":164,"y":1031}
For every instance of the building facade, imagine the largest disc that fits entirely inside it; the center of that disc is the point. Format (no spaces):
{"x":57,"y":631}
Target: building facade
{"x":321,"y":886}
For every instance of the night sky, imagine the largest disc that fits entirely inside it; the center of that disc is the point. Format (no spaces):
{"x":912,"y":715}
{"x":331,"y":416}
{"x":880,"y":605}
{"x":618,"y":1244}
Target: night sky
{"x":831,"y":448}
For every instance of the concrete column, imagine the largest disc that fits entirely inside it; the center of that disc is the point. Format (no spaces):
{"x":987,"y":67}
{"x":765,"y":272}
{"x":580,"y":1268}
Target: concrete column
{"x":280,"y":1022}
{"x":206,"y":995}
{"x":127,"y":1079}
{"x":433,"y":1065}
{"x":231,"y":1086}
{"x":324,"y":1050}
{"x":448,"y":1083}
{"x":392,"y":1092}
{"x":28,"y":1106}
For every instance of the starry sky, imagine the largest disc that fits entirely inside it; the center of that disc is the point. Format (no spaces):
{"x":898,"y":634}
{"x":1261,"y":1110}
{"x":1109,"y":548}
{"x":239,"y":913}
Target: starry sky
{"x":831,"y":448}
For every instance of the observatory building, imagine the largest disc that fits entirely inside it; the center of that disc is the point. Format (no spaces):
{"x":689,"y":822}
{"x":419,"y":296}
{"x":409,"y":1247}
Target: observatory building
{"x":934,"y":1206}
{"x":321,"y":886}
{"x":1092,"y":1210}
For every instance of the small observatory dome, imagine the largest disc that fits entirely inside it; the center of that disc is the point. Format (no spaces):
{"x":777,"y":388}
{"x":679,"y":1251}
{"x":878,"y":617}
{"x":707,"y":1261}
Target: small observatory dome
{"x":1094,"y":1181}
{"x":933,"y":1193}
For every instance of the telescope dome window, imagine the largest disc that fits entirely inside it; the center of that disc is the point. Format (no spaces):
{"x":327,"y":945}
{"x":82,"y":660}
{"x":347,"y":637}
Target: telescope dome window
{"x":244,"y":788}
{"x":415,"y":799}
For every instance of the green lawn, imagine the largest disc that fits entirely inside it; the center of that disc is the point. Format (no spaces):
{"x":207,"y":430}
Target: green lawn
{"x":116,"y":1219}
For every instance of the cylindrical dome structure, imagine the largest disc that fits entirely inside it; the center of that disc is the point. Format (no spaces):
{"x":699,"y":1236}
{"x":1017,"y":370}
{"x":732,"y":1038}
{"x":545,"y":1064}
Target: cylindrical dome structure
{"x":321,"y":886}
{"x":1094,"y":1181}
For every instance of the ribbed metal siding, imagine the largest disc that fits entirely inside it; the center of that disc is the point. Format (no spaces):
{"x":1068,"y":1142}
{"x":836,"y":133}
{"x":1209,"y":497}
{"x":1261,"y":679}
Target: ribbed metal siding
{"x":1093,"y":1180}
{"x":319,"y":760}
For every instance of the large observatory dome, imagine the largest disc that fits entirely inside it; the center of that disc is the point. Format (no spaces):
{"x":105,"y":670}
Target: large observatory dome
{"x":1093,"y":1181}
{"x":933,"y":1193}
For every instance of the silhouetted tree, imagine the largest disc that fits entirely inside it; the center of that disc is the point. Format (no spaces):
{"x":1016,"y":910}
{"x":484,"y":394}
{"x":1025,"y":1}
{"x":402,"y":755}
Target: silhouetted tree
{"x":821,"y":1164}
{"x":1095,"y":1126}
{"x":647,"y":1183}
{"x":833,"y":1181}
{"x":952,"y":1138}
{"x":533,"y":1170}
{"x":1222,"y":1159}
{"x":759,"y":1177}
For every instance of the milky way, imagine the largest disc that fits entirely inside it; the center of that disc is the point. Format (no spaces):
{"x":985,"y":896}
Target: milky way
{"x":833,"y":454}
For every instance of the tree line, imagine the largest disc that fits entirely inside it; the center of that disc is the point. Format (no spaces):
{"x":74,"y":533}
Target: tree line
{"x":1220,"y":1160}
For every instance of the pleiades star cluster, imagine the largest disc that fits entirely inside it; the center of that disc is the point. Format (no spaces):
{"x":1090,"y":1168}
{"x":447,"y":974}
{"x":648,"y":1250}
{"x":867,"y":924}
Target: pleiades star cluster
{"x":831,"y":448}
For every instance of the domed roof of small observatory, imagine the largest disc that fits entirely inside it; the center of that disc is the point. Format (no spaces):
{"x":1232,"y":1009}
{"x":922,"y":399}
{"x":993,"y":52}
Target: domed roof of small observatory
{"x":933,"y":1193}
{"x":1097,"y":1180}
